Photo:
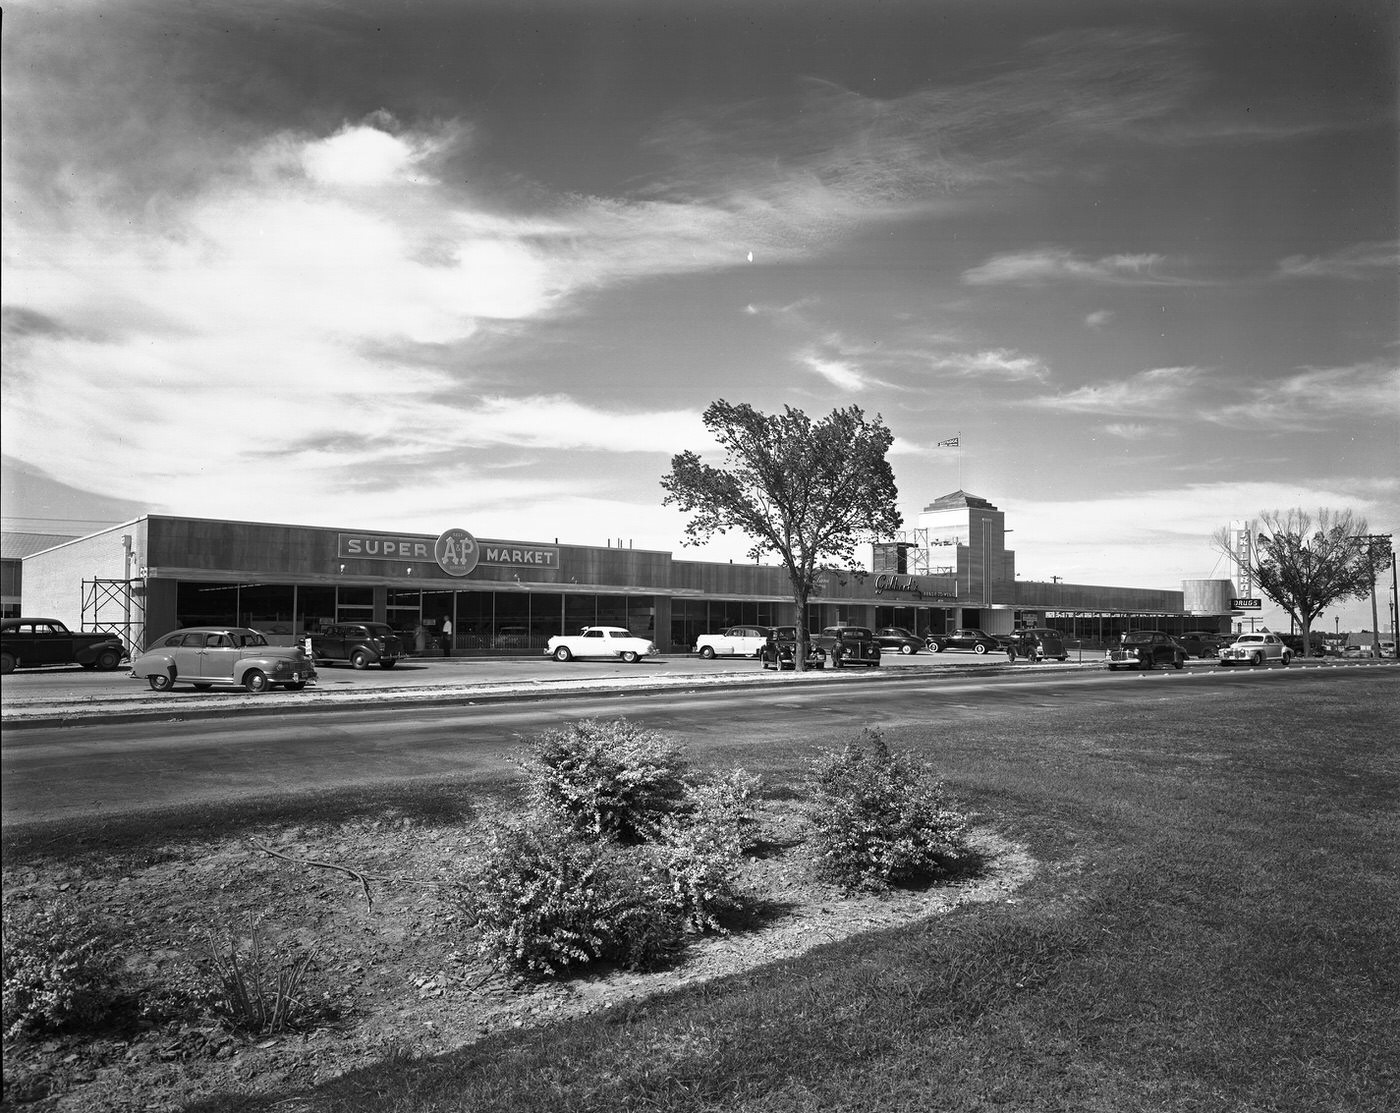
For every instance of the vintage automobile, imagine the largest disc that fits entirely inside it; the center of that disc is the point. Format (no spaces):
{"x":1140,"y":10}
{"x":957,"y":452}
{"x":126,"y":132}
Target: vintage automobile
{"x":1145,"y":649}
{"x":31,"y":642}
{"x":360,"y":643}
{"x":600,"y":641}
{"x":1255,"y":649}
{"x":737,"y":641}
{"x":849,"y":645}
{"x":975,"y":640}
{"x":204,"y":656}
{"x":1037,"y":643}
{"x":898,"y":639}
{"x":780,"y":651}
{"x":1200,"y":643}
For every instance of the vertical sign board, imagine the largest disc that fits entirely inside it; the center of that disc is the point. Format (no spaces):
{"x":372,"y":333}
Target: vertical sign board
{"x":1244,"y":553}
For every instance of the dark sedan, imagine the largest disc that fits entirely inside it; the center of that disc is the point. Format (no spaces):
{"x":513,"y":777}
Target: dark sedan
{"x":850,"y":645}
{"x":898,"y":639}
{"x":975,"y":640}
{"x":1038,"y":643}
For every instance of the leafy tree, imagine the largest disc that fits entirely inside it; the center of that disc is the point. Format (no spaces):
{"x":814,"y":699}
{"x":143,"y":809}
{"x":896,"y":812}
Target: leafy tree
{"x":1304,"y":566}
{"x":803,"y":490}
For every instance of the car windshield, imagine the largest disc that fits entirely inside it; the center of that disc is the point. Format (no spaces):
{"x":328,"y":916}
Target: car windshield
{"x":1137,"y":639}
{"x":379,"y":630}
{"x":1250,"y":638}
{"x":252,"y":637}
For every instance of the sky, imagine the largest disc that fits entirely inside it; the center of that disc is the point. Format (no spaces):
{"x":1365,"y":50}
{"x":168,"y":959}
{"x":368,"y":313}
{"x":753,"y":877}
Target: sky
{"x":427,"y":264}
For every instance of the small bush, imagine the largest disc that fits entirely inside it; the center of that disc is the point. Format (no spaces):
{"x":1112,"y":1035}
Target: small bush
{"x":546,"y":901}
{"x":258,"y":989}
{"x":700,"y":847}
{"x":881,"y":819}
{"x":60,"y":972}
{"x":606,"y":779}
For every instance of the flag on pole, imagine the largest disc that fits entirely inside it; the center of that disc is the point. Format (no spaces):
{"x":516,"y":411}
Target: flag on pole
{"x":951,"y":442}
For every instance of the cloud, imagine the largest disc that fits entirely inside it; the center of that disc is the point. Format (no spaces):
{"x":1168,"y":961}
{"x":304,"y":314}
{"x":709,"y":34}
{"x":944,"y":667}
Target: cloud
{"x":1098,"y":319}
{"x":1359,"y":261}
{"x":1315,"y":397}
{"x":1001,"y":363}
{"x":1060,"y":264}
{"x":1127,"y":430}
{"x":1174,"y":523}
{"x":837,"y":372}
{"x":1159,"y":392}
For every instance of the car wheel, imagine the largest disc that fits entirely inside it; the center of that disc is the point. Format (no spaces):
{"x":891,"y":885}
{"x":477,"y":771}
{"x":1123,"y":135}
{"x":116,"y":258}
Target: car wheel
{"x":7,"y":663}
{"x":255,"y":680}
{"x":1286,"y":658}
{"x":161,"y":681}
{"x":906,"y":649}
{"x":1256,"y":659}
{"x":1179,"y":662}
{"x":631,"y":657}
{"x":979,"y":648}
{"x":203,"y":687}
{"x":388,"y":662}
{"x":108,"y":659}
{"x":1112,"y":668}
{"x":1146,"y":663}
{"x":296,"y":686}
{"x":708,"y":653}
{"x":359,"y":659}
{"x":563,"y":654}
{"x":935,"y":647}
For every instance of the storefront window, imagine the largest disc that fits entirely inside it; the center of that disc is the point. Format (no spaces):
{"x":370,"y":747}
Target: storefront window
{"x":316,"y":607}
{"x":403,"y":610}
{"x":580,"y":611}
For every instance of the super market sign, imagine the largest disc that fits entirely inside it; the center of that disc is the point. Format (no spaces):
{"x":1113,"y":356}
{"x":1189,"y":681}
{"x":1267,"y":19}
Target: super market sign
{"x":455,"y":551}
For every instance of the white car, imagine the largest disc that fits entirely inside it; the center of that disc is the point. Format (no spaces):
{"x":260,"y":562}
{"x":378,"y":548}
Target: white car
{"x":1255,"y":649}
{"x":600,"y":641}
{"x":737,"y":641}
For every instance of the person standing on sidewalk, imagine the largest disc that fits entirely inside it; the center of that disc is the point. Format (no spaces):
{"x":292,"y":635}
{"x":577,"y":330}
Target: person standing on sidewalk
{"x":446,"y":638}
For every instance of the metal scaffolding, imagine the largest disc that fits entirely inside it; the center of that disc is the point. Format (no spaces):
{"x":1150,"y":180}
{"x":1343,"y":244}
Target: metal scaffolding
{"x":116,"y":607}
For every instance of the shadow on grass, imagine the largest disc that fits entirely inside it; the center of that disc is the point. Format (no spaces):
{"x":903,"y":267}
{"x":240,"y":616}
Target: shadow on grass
{"x":435,"y":804}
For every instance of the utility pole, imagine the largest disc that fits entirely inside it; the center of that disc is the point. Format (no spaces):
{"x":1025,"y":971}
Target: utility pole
{"x":1373,"y":541}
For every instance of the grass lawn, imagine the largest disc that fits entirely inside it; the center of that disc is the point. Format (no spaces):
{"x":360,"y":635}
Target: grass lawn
{"x":1214,"y":925}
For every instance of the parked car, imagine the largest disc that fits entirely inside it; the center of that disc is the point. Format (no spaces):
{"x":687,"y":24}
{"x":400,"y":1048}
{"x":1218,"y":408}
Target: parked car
{"x":31,"y":642}
{"x":1256,"y":649}
{"x":1295,"y":645}
{"x":360,"y":643}
{"x":1200,"y":643}
{"x":1145,"y":649}
{"x":1038,"y":643}
{"x":850,"y":645}
{"x":1387,"y":648}
{"x":975,"y":640}
{"x":208,"y":655}
{"x":600,"y":641}
{"x":899,"y":639}
{"x":737,"y":641}
{"x":780,"y":651}
{"x":512,"y":637}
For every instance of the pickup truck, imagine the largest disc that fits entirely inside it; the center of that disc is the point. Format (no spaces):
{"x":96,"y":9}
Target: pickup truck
{"x":30,"y":642}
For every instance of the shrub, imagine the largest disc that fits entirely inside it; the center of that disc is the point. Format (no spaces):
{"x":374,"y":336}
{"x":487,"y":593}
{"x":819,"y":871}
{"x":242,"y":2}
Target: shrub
{"x":700,"y":847}
{"x":881,"y":819}
{"x":545,"y":901}
{"x":606,"y":779}
{"x":60,"y":972}
{"x":261,"y":990}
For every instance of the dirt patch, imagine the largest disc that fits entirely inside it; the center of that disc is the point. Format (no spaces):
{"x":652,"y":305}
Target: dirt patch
{"x":396,"y":974}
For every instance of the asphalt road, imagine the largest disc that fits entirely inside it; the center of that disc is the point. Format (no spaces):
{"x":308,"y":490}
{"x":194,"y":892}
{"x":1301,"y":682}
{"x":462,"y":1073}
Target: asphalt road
{"x":101,"y":765}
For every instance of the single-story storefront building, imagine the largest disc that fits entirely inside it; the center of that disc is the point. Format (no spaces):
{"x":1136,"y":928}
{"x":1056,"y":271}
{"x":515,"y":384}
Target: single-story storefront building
{"x":158,"y":572}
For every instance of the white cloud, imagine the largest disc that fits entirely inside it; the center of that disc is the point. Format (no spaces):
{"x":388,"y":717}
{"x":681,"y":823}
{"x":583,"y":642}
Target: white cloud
{"x":837,"y":372}
{"x":1127,"y":430}
{"x":1161,"y":391}
{"x":1056,"y":264}
{"x":1315,"y":397}
{"x":1359,"y":261}
{"x":1000,"y":363}
{"x":1098,"y":319}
